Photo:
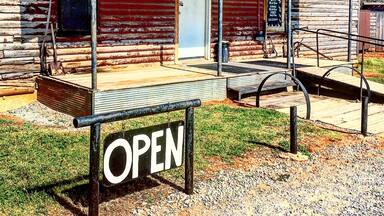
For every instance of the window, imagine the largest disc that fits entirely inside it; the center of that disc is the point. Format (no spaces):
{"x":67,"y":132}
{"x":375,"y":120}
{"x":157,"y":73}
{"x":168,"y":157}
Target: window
{"x":74,"y":17}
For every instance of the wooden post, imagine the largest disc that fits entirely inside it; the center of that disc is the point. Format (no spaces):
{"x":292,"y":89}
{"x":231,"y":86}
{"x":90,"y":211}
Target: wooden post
{"x":293,"y":129}
{"x":94,"y":167}
{"x":189,"y":140}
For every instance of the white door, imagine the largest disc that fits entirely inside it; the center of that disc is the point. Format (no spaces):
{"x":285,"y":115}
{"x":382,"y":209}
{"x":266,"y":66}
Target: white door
{"x":192,"y":28}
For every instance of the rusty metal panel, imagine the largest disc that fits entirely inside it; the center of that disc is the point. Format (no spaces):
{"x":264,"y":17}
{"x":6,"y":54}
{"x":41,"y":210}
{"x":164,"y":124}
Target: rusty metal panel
{"x":64,"y":97}
{"x":115,"y":100}
{"x":365,"y":26}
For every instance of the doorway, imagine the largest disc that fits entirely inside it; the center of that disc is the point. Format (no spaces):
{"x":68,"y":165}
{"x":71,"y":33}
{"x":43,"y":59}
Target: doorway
{"x":193,"y":28}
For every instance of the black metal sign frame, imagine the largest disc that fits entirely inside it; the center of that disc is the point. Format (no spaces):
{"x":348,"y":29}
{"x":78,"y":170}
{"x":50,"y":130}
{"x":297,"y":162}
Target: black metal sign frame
{"x":95,"y":122}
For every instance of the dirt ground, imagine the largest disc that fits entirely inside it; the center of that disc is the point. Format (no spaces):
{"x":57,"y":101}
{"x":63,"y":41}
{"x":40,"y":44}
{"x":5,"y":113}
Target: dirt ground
{"x":342,"y":177}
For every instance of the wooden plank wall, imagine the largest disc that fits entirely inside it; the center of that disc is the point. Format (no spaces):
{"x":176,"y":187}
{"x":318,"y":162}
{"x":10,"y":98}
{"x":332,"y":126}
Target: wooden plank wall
{"x":241,"y":21}
{"x":130,"y":32}
{"x":134,"y":32}
{"x":329,"y":14}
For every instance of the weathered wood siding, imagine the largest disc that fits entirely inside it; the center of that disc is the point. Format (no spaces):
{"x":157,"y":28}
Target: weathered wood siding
{"x":241,"y":21}
{"x":134,"y":32}
{"x":327,"y":14}
{"x":130,"y":32}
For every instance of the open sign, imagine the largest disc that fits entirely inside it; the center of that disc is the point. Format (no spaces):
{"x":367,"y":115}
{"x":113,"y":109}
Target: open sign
{"x":141,"y":152}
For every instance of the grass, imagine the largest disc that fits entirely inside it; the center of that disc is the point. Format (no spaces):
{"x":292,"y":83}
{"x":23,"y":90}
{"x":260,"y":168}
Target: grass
{"x":33,"y":157}
{"x":375,"y":66}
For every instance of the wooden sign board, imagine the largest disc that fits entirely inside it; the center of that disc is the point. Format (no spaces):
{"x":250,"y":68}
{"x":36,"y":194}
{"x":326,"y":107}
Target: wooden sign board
{"x":275,"y":13}
{"x":141,"y":152}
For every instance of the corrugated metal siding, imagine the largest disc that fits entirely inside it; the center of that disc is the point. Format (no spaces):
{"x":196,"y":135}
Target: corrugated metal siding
{"x":206,"y":90}
{"x":63,"y":97}
{"x":242,"y":19}
{"x":379,"y":28}
{"x":364,"y":26}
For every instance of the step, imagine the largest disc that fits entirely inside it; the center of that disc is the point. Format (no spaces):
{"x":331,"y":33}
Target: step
{"x":267,"y":87}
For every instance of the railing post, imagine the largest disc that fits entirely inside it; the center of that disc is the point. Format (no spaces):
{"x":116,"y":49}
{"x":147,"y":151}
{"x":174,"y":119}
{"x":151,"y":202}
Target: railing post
{"x":189,"y":136}
{"x":289,"y":34}
{"x":362,"y":72}
{"x":293,"y":130}
{"x":364,"y":116}
{"x":220,"y":38}
{"x":350,"y":14}
{"x":94,"y":167}
{"x":317,"y":49}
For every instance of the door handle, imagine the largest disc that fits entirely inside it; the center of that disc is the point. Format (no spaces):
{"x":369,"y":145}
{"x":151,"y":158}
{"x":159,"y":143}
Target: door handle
{"x":181,"y":3}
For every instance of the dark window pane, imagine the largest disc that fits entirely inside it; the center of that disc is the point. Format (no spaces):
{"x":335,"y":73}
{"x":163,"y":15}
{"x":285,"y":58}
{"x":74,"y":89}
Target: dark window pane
{"x":74,"y":16}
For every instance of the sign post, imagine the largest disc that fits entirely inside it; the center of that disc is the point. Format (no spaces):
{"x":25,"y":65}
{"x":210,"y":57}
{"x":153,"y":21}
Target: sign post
{"x":141,"y":152}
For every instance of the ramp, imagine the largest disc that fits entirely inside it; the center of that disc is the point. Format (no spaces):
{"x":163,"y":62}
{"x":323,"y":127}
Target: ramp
{"x":337,"y":112}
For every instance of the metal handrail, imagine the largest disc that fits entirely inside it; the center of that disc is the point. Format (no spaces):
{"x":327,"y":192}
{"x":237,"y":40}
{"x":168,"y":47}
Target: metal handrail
{"x":297,"y":45}
{"x":354,"y":35}
{"x":326,"y":74}
{"x":297,"y":82}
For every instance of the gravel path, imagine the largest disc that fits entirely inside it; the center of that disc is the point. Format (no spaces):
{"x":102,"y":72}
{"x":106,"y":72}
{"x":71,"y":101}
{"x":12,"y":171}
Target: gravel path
{"x":40,"y":114}
{"x":346,"y":180}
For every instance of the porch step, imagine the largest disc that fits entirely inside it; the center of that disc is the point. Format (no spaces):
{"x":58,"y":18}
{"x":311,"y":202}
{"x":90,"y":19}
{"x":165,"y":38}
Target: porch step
{"x":250,"y":89}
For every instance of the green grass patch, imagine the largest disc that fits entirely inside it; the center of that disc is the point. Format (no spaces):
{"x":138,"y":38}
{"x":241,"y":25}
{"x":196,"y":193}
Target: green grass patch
{"x":32,"y":157}
{"x":376,"y":79}
{"x":375,"y":65}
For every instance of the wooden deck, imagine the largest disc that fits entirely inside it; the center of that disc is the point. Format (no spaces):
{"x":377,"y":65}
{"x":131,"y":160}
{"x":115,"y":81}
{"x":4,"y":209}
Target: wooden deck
{"x":337,"y":112}
{"x":123,"y":88}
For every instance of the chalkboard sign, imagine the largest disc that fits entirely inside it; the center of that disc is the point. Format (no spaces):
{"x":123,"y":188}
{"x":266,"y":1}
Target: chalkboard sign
{"x":274,"y":18}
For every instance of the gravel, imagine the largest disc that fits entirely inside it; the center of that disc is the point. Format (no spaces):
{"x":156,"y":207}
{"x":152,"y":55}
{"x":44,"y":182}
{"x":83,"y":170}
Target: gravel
{"x":37,"y":113}
{"x":347,"y":180}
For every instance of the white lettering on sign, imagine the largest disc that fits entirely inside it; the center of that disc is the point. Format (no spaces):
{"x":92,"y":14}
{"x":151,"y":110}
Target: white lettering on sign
{"x":107,"y":171}
{"x":144,"y":146}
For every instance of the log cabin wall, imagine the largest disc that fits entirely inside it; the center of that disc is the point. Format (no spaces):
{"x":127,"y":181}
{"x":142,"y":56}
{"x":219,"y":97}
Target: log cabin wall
{"x":134,"y":32}
{"x":241,"y":21}
{"x":130,"y":32}
{"x":327,"y":14}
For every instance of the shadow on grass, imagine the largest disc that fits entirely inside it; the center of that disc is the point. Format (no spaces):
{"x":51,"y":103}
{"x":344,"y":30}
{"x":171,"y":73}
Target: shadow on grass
{"x":273,"y":147}
{"x":73,"y":194}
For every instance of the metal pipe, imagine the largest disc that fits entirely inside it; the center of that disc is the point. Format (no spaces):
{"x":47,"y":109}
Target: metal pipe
{"x":289,"y":34}
{"x":335,"y":36}
{"x":94,"y":46}
{"x":350,"y":30}
{"x":293,"y":130}
{"x":94,"y":167}
{"x":293,"y":56}
{"x":296,"y":81}
{"x":364,"y":116}
{"x":220,"y":39}
{"x":317,"y":49}
{"x":362,"y":71}
{"x":189,"y":136}
{"x":133,"y":113}
{"x":354,"y":35}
